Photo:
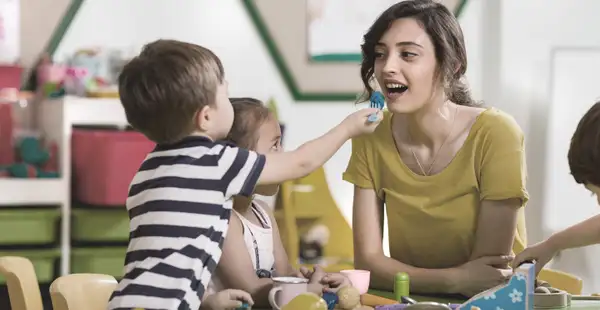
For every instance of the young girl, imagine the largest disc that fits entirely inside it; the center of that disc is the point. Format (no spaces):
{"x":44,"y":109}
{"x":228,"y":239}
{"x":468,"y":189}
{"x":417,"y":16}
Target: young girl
{"x":252,"y":251}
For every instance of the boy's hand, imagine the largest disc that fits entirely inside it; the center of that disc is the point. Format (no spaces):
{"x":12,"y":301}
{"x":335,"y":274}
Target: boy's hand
{"x":335,"y":281}
{"x":542,"y":253}
{"x":227,"y":300}
{"x":357,"y":123}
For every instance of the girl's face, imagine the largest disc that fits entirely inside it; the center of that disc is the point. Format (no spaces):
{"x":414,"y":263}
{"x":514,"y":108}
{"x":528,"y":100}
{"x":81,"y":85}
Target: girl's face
{"x":405,"y":66}
{"x":269,"y":141}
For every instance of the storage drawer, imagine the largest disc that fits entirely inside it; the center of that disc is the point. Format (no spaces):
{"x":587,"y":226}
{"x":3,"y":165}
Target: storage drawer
{"x":97,"y":225}
{"x":105,"y":260}
{"x":24,"y":226}
{"x":105,"y":162}
{"x":44,"y":262}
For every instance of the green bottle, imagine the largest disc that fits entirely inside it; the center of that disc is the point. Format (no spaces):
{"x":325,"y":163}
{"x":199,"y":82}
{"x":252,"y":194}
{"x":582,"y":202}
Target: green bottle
{"x":401,"y":286}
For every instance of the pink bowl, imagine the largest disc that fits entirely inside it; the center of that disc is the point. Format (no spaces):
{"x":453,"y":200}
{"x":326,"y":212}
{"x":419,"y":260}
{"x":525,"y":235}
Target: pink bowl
{"x":360,"y":279}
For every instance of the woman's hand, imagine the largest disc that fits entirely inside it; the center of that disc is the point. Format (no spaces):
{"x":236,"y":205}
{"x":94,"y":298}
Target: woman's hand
{"x":481,"y":274}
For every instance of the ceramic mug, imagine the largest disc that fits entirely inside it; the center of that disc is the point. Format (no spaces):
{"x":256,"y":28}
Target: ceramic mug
{"x":285,"y":289}
{"x":360,"y":279}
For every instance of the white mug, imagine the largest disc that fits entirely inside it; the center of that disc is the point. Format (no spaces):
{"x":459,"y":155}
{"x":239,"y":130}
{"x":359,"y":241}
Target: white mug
{"x":285,"y":289}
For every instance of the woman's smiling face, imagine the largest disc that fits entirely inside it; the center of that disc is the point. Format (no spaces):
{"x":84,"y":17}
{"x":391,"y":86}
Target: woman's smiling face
{"x":405,"y":66}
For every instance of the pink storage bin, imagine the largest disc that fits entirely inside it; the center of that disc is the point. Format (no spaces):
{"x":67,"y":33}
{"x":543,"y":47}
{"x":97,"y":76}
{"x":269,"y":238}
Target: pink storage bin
{"x":104,"y":163}
{"x":7,"y":151}
{"x":10,"y":76}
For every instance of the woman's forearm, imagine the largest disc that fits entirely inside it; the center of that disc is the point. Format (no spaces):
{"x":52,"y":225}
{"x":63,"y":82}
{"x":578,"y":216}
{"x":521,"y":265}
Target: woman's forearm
{"x":384,"y":269}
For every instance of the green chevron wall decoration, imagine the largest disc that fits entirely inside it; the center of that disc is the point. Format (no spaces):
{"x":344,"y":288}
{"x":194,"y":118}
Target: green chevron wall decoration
{"x":55,"y":39}
{"x":283,"y":28}
{"x":324,"y":78}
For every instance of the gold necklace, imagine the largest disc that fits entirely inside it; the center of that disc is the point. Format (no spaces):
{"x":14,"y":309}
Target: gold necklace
{"x":435,"y":155}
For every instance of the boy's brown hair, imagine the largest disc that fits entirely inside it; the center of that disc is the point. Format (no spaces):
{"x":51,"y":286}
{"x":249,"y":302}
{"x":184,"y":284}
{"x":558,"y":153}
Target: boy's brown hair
{"x":164,"y":87}
{"x":249,"y":115}
{"x":584,"y":152}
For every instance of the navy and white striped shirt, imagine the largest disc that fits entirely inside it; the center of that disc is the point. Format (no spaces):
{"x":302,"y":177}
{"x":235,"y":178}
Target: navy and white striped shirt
{"x":179,"y":207}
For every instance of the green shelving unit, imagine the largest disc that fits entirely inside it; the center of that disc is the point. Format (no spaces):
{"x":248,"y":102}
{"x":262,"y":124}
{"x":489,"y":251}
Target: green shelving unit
{"x":100,"y":225}
{"x":105,"y":260}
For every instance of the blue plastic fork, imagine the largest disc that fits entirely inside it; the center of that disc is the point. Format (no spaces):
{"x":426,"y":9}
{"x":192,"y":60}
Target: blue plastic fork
{"x":377,"y":101}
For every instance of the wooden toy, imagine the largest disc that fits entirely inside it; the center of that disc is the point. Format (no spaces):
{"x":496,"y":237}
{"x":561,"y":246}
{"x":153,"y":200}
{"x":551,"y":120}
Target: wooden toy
{"x":401,"y":286}
{"x":34,"y":160}
{"x":306,"y":301}
{"x":348,"y":298}
{"x":517,"y":294}
{"x":373,"y":300}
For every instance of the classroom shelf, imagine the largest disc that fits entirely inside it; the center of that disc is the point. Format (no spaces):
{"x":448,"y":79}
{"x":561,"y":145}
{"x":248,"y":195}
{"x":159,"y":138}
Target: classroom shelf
{"x":56,"y":118}
{"x":29,"y":192}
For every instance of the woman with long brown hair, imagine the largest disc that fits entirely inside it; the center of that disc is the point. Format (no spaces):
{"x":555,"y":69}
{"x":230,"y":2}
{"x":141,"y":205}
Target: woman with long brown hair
{"x":450,"y":173}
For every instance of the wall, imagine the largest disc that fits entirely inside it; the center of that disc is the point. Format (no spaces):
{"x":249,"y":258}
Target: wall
{"x":228,"y":31}
{"x":544,"y":72}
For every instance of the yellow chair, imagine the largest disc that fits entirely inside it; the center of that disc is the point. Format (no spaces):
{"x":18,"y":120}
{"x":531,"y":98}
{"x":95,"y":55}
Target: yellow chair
{"x":306,"y":202}
{"x":562,"y":280}
{"x":21,"y":280}
{"x":83,"y":291}
{"x":286,"y":220}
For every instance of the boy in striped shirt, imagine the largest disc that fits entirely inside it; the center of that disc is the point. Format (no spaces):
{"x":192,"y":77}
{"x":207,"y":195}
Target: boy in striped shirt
{"x":180,"y":200}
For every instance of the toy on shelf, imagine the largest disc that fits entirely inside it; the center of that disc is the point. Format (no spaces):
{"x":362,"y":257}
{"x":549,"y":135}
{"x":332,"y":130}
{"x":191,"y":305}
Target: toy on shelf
{"x":51,"y":77}
{"x":33,"y":160}
{"x":101,"y":67}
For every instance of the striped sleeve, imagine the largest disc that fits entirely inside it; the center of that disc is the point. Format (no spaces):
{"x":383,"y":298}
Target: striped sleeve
{"x":243,"y":168}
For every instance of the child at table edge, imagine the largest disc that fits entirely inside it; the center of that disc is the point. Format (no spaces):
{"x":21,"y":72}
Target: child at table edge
{"x":584,"y":162}
{"x":253,"y":252}
{"x":179,"y":202}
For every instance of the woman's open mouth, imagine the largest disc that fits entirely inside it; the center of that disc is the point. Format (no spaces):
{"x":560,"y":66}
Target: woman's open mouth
{"x":393,"y":91}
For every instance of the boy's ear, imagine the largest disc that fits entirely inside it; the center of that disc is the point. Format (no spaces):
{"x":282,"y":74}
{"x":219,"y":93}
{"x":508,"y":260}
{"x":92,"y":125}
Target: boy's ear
{"x":203,"y":118}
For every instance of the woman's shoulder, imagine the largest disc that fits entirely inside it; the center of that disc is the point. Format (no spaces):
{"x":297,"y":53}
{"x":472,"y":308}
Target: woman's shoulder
{"x":494,"y":126}
{"x":493,"y":120}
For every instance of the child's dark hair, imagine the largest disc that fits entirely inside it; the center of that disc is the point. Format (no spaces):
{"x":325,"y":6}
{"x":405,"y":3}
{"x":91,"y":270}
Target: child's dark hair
{"x":584,"y":152}
{"x":249,"y":115}
{"x":164,"y":87}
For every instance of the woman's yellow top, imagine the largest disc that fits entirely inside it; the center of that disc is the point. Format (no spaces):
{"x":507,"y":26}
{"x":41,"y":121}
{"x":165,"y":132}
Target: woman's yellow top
{"x":432,"y":219}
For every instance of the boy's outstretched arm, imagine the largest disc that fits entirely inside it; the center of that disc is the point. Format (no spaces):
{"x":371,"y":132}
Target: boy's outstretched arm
{"x":281,"y":167}
{"x":583,"y":234}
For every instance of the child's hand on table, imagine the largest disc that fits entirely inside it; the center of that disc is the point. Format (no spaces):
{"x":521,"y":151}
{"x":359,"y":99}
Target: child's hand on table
{"x":541,"y":252}
{"x":335,"y":281}
{"x":314,"y":278}
{"x":227,"y":300}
